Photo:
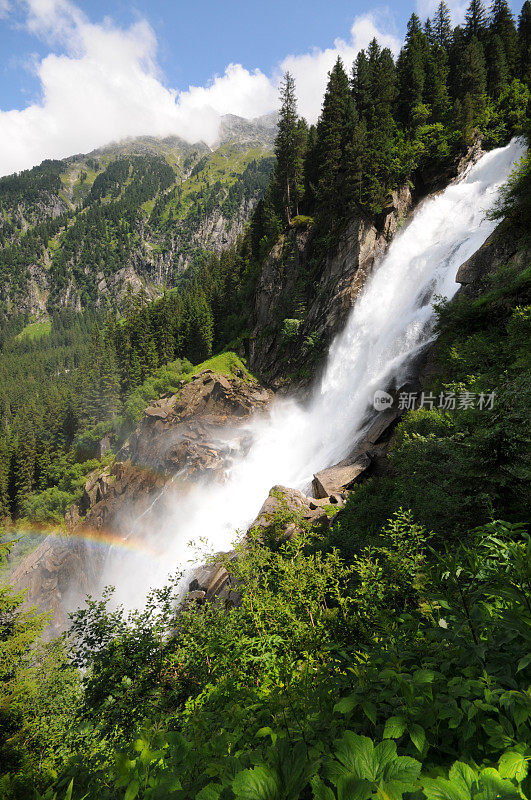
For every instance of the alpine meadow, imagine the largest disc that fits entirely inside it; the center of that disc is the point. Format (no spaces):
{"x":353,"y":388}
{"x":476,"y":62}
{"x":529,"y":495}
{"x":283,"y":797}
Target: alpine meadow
{"x":265,"y":428}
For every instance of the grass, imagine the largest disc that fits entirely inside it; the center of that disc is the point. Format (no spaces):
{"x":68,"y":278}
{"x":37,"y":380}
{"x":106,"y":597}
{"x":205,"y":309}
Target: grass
{"x":301,"y":221}
{"x":35,"y":330}
{"x":225,"y":364}
{"x":169,"y":379}
{"x":225,"y":165}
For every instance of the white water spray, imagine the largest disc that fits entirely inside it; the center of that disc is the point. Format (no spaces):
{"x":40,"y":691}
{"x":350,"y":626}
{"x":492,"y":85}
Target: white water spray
{"x":390,"y":322}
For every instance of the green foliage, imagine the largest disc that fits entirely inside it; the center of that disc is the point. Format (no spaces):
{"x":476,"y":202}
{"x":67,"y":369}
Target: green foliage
{"x":34,"y":330}
{"x":47,"y":506}
{"x":427,"y":651}
{"x":382,"y":655}
{"x":458,"y":468}
{"x":515,"y":202}
{"x":290,"y":328}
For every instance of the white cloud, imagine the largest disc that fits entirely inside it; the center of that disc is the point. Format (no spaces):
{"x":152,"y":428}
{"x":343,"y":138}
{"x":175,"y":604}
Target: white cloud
{"x":107,"y":86}
{"x":310,"y":70}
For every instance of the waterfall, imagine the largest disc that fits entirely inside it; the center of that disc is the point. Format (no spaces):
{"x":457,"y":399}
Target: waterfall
{"x":391,"y":320}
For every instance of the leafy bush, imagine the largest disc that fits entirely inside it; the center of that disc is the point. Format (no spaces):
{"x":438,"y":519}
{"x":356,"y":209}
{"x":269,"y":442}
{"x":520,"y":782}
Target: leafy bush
{"x":290,"y":328}
{"x":47,"y":506}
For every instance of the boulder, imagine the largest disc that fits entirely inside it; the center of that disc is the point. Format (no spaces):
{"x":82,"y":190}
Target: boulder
{"x":212,"y":582}
{"x":339,"y":477}
{"x":310,"y":509}
{"x":496,"y":251}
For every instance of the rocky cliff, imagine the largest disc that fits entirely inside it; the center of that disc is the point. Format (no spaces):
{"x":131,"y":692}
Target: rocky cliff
{"x":189,"y":435}
{"x":331,"y":295}
{"x":290,"y":337}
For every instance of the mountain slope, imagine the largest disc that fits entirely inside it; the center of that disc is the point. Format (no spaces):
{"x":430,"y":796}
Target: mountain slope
{"x":78,"y":232}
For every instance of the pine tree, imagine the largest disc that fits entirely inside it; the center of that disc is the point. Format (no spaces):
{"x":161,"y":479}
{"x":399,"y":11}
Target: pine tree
{"x":135,"y":370}
{"x":524,"y":42}
{"x":311,"y":172}
{"x":502,"y":25}
{"x":475,"y":21}
{"x":497,"y":72}
{"x":466,"y":118}
{"x":288,"y":150}
{"x":355,"y":159}
{"x":331,"y":133}
{"x":199,"y":324}
{"x":381,"y":128}
{"x":411,"y":68}
{"x":109,"y":382}
{"x":24,"y":464}
{"x":43,"y":464}
{"x":102,"y":399}
{"x":436,"y":91}
{"x":5,"y":461}
{"x":166,"y":339}
{"x":383,"y":85}
{"x":301,"y":145}
{"x":429,"y":32}
{"x":455,"y":56}
{"x":361,"y":84}
{"x":473,"y":76}
{"x":442,"y":26}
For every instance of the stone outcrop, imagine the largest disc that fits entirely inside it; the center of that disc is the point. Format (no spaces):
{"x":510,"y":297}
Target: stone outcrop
{"x":179,"y":438}
{"x":496,"y":252}
{"x":309,"y":509}
{"x":367,"y":457}
{"x":340,"y":477}
{"x":341,"y":278}
{"x":56,"y":577}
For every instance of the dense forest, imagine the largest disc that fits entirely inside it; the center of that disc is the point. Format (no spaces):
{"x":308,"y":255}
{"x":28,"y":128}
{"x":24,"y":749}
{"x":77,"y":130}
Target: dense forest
{"x":384,"y":655}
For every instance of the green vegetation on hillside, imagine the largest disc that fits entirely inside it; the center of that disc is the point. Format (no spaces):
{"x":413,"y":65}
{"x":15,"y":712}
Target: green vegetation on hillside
{"x":380,"y":654}
{"x":34,"y":330}
{"x":76,"y":224}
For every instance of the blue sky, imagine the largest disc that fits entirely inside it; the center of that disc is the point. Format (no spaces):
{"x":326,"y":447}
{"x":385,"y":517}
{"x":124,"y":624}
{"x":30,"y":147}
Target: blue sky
{"x":75,"y":75}
{"x":196,"y":40}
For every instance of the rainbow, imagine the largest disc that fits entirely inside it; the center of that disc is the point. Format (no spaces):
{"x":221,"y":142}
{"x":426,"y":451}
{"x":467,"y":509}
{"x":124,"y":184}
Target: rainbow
{"x":92,"y":537}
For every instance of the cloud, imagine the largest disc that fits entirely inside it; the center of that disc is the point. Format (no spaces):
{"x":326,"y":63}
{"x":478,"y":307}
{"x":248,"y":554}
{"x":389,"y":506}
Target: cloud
{"x":102,"y":84}
{"x":310,"y":70}
{"x":427,"y":8}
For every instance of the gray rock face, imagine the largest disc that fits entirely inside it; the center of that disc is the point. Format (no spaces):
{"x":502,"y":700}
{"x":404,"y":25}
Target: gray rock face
{"x":341,"y":278}
{"x":497,"y":251}
{"x":340,"y":477}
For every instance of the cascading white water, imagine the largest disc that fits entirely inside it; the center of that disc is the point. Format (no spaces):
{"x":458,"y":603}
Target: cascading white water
{"x":391,"y":320}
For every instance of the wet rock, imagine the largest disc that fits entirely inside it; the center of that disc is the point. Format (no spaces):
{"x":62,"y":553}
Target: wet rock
{"x":213,"y":582}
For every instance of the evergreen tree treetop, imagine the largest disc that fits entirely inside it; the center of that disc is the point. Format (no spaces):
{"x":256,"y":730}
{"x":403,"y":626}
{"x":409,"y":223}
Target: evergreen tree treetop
{"x":524,"y":42}
{"x":475,"y":20}
{"x":361,"y":83}
{"x":502,"y":25}
{"x":287,"y":150}
{"x":442,"y":26}
{"x":414,"y":26}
